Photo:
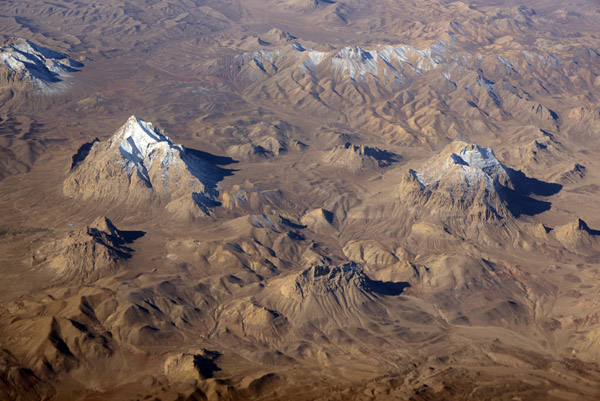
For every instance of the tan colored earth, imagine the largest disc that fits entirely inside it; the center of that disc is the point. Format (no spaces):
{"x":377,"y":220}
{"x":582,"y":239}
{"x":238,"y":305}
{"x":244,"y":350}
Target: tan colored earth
{"x":299,"y":200}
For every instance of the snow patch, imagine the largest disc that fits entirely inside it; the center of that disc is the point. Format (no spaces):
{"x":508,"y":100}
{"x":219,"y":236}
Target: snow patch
{"x":468,"y":166}
{"x":46,"y":69}
{"x":141,"y":145}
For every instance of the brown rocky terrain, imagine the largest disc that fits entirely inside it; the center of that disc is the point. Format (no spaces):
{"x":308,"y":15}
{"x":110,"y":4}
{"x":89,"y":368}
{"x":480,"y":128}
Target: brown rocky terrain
{"x":355,"y":200}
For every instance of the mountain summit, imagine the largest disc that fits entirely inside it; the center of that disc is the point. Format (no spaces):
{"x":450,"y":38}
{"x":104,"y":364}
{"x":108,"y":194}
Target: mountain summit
{"x":140,"y":164}
{"x":468,"y":178}
{"x":467,"y":166}
{"x":45,"y":69}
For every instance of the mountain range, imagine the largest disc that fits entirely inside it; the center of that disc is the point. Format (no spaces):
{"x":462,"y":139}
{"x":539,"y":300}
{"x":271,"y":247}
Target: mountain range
{"x":308,"y":200}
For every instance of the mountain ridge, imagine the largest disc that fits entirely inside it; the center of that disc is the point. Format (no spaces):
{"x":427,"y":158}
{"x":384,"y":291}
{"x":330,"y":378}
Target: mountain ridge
{"x":147,"y":166}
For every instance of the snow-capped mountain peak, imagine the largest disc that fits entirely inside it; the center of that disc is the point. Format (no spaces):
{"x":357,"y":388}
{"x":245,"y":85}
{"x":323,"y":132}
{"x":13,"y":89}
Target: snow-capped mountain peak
{"x":467,"y":177}
{"x":353,"y":62}
{"x":141,"y":145}
{"x":141,"y":164}
{"x":467,"y":165}
{"x":140,"y":134}
{"x":46,"y":69}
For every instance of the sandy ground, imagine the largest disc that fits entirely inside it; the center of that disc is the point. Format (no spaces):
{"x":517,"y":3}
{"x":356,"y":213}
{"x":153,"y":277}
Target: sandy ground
{"x":450,"y":298}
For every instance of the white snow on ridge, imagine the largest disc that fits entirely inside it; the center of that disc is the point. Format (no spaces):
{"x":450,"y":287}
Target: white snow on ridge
{"x":466,"y":165}
{"x":355,"y":61}
{"x":140,"y":163}
{"x":44,"y":68}
{"x":140,"y":145}
{"x":358,"y":63}
{"x":537,"y":61}
{"x":313,"y":59}
{"x":478,"y":163}
{"x":510,"y":69}
{"x":141,"y":138}
{"x":482,"y":158}
{"x":397,"y":64}
{"x":259,"y":58}
{"x":146,"y":151}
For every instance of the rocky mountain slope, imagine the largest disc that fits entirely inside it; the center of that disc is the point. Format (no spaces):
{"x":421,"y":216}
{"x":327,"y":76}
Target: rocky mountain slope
{"x":470,"y":179}
{"x":357,"y":200}
{"x":140,"y":164}
{"x":25,"y":63}
{"x":89,"y":254}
